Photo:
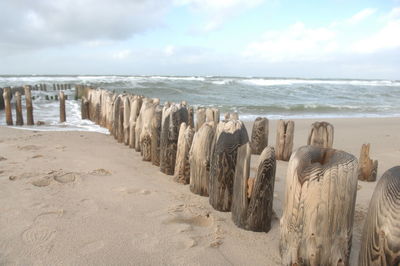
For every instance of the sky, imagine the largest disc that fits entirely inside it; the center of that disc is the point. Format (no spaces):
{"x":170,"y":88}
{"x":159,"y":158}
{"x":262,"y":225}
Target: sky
{"x":264,"y":38}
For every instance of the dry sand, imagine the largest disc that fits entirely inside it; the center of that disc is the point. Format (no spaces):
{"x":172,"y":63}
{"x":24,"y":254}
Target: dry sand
{"x":79,"y":198}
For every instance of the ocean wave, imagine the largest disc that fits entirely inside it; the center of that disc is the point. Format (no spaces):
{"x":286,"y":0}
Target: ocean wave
{"x":288,"y":82}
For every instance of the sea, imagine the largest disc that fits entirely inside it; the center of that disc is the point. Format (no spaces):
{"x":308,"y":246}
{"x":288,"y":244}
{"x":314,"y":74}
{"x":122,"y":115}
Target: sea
{"x":274,"y":98}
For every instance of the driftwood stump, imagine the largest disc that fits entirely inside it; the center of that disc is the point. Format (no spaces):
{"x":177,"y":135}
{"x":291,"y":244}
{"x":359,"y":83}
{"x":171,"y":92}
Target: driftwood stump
{"x":18,"y":109}
{"x":367,"y":167}
{"x":259,"y":135}
{"x":200,"y":117}
{"x":229,"y":136}
{"x":155,"y":136}
{"x":320,"y":195}
{"x":182,"y":166}
{"x":7,"y":106}
{"x":380,"y":243}
{"x":284,"y":140}
{"x":212,"y":115}
{"x":172,"y":118}
{"x":321,"y":135}
{"x":200,"y":157}
{"x":127,"y":112}
{"x":29,"y":106}
{"x":253,"y":197}
{"x":63,"y":116}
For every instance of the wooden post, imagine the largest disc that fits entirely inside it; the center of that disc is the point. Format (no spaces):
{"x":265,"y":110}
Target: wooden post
{"x":135,"y":110}
{"x":155,"y":136}
{"x":191,"y":117}
{"x":84,"y":108}
{"x":229,"y":136}
{"x":200,"y":158}
{"x":381,"y":236}
{"x":7,"y":106}
{"x":116,"y":113}
{"x":62,"y":107}
{"x":284,"y":140}
{"x":182,"y":166}
{"x":200,"y":117}
{"x":259,"y":135}
{"x":233,"y":115}
{"x":320,"y":197}
{"x":127,"y":112}
{"x":172,"y":118}
{"x":18,"y":109}
{"x":367,"y":167}
{"x":29,"y":106}
{"x":253,"y":197}
{"x":144,"y":127}
{"x":212,"y":114}
{"x":321,"y":135}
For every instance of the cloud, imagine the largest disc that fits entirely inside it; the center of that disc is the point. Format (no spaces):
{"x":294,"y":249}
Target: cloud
{"x":360,"y":16}
{"x":297,"y":42}
{"x":217,"y":12}
{"x":122,"y":54}
{"x":27,"y":24}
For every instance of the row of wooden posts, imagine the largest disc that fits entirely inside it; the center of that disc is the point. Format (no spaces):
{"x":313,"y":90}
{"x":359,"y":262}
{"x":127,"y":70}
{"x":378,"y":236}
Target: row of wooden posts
{"x":213,"y":157}
{"x":56,"y":87}
{"x":29,"y":107}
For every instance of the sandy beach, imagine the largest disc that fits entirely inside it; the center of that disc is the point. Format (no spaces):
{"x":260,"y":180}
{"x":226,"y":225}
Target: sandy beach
{"x":80,"y":198}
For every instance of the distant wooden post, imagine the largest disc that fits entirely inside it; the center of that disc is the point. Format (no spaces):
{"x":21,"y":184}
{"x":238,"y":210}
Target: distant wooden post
{"x":29,"y":106}
{"x":259,"y":135}
{"x":172,"y":118}
{"x":84,"y":108}
{"x":321,"y":135}
{"x":200,"y":159}
{"x":229,"y":136}
{"x":233,"y":115}
{"x":155,"y":136}
{"x":320,"y":196}
{"x":253,"y":197}
{"x":127,"y":112}
{"x":212,"y":114}
{"x":7,"y":106}
{"x":62,"y":107}
{"x":200,"y":117}
{"x":367,"y":167}
{"x":284,"y":140}
{"x":18,"y":109}
{"x":182,"y":166}
{"x":381,"y":236}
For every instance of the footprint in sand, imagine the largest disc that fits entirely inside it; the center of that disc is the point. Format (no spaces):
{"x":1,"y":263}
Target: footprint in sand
{"x":66,"y":178}
{"x":100,"y":172}
{"x":29,"y":148}
{"x":38,"y":235}
{"x":2,"y":158}
{"x":200,"y":221}
{"x":48,"y":216}
{"x":91,"y":247}
{"x":43,"y":181}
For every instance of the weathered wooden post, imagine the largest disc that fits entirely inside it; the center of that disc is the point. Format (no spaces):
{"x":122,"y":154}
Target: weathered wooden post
{"x":380,"y":244}
{"x":127,"y":112}
{"x":367,"y":167}
{"x":320,"y":195}
{"x":136,"y":104}
{"x":232,"y":115}
{"x":284,"y":140}
{"x":253,"y":197}
{"x":229,"y":136}
{"x":182,"y":166}
{"x":212,"y":114}
{"x":144,"y":127}
{"x":7,"y":106}
{"x":84,"y":108}
{"x":62,"y":107}
{"x":155,"y":136}
{"x":172,"y":118}
{"x":191,"y":117}
{"x":200,"y":117}
{"x":18,"y":109}
{"x":200,"y":158}
{"x":321,"y":135}
{"x":259,"y":135}
{"x":29,"y":106}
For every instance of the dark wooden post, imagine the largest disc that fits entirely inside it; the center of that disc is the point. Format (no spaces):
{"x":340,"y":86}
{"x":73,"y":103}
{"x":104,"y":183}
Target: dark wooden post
{"x":84,"y":108}
{"x":284,"y":140}
{"x":259,"y":135}
{"x":380,"y":244}
{"x":155,"y":136}
{"x":320,"y":197}
{"x":321,"y":135}
{"x":18,"y":109}
{"x":29,"y":106}
{"x":367,"y":167}
{"x":62,"y":107}
{"x":229,"y":136}
{"x":7,"y":106}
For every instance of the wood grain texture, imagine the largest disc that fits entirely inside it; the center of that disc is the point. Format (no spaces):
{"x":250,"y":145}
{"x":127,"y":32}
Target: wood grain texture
{"x":7,"y":106}
{"x":120,"y":128}
{"x":259,"y":135}
{"x":155,"y":136}
{"x":380,"y":243}
{"x":200,"y":117}
{"x":321,"y":135}
{"x":135,"y":110}
{"x":172,"y":118}
{"x":144,"y":127}
{"x":368,"y":168}
{"x":229,"y":136}
{"x":127,"y":113}
{"x":182,"y":166}
{"x":18,"y":109}
{"x":320,"y":194}
{"x":63,"y":115}
{"x":253,"y":197}
{"x":200,"y":158}
{"x":29,"y":106}
{"x":284,"y":140}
